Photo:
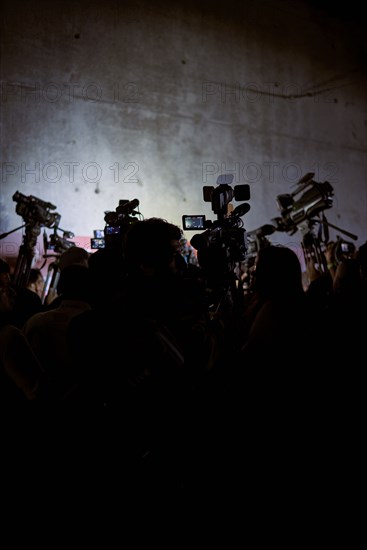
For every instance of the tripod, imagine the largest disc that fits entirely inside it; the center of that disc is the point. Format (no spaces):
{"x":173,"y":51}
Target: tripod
{"x":315,"y":232}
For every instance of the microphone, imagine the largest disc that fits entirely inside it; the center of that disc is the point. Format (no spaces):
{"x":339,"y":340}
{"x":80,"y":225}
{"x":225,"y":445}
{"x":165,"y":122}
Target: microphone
{"x":241,"y":210}
{"x":127,"y":207}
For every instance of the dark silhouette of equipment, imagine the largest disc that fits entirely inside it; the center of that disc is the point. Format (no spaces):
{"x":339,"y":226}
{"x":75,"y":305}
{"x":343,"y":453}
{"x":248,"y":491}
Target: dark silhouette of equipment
{"x":118,"y":222}
{"x":255,"y":241}
{"x":222,"y":246}
{"x":35,"y":213}
{"x":303,"y":210}
{"x":57,"y":244}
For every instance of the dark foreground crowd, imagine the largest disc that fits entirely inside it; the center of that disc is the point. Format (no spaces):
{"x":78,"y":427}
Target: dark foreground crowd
{"x":138,"y":380}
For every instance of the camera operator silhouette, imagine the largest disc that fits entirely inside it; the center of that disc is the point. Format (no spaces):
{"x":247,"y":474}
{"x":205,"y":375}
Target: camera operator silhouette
{"x":47,"y":331}
{"x":150,"y":349}
{"x":278,"y":284}
{"x":36,"y":281}
{"x":273,"y":379}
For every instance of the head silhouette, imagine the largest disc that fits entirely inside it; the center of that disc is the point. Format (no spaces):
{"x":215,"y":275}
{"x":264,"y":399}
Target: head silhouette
{"x":278,"y":273}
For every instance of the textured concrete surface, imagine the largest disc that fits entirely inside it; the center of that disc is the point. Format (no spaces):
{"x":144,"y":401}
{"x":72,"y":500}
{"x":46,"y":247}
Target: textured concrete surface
{"x":153,"y":100}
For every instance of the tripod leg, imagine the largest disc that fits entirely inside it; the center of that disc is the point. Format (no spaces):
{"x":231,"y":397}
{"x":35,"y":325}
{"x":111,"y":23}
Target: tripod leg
{"x":22,"y":270}
{"x":55,"y":278}
{"x":26,"y":254}
{"x":52,"y":279}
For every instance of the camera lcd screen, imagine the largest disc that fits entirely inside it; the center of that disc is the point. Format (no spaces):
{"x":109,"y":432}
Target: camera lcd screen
{"x":112,"y":230}
{"x":97,"y":243}
{"x":345,"y":247}
{"x":98,"y":233}
{"x":195,"y":222}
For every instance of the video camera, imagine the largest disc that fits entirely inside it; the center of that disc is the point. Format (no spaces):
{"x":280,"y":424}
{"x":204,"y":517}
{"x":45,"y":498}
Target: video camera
{"x":58,"y":243}
{"x":222,"y":245}
{"x":35,"y":211}
{"x":304,"y":214}
{"x":316,"y":198}
{"x":117,"y":223}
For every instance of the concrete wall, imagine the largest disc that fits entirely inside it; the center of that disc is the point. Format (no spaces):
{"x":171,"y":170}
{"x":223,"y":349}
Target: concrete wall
{"x":102,"y":101}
